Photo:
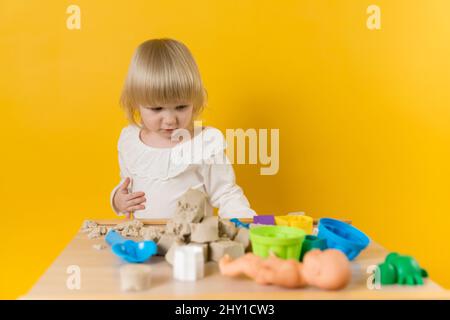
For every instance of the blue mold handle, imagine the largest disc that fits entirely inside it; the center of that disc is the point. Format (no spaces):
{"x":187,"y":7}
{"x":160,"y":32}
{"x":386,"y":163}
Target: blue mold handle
{"x":114,"y":237}
{"x":239,"y":224}
{"x":129,"y":250}
{"x":342,"y":236}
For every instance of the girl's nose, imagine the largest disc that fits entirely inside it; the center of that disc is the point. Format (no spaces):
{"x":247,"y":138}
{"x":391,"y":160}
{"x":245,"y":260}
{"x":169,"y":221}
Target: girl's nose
{"x":170,"y":120}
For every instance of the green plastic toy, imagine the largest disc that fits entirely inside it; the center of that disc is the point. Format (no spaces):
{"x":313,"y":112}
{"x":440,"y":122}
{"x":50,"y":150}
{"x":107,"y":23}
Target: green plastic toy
{"x":312,"y":242}
{"x":284,"y":242}
{"x":399,"y":269}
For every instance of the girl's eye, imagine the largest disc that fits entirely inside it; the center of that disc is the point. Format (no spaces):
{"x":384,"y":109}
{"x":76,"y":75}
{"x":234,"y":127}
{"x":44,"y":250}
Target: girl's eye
{"x":181,"y":107}
{"x":156,"y":109}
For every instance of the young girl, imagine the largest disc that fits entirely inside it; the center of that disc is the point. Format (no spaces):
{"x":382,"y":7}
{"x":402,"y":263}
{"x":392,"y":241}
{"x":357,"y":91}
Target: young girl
{"x":162,"y":96}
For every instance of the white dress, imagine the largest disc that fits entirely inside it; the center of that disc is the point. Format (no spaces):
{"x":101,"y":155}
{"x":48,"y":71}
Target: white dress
{"x":164,"y":174}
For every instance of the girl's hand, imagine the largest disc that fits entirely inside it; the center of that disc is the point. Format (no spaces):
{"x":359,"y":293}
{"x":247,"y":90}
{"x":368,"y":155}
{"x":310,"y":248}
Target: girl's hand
{"x":128,"y":202}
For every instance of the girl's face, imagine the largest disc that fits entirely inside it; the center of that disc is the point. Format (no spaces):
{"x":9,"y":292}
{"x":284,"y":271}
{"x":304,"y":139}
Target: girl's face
{"x":163,"y":120}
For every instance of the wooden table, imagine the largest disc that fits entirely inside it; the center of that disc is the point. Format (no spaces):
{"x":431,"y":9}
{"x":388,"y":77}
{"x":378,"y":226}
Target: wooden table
{"x":99,"y":275}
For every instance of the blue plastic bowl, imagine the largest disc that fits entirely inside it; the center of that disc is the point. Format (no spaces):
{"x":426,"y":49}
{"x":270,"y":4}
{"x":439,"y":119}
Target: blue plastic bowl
{"x":342,"y":236}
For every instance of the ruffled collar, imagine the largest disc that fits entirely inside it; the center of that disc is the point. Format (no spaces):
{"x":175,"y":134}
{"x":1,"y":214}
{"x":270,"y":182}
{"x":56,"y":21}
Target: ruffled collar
{"x":145,"y":161}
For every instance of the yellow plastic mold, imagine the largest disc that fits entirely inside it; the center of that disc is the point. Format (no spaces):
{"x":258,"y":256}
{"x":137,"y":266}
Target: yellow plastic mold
{"x":301,"y":222}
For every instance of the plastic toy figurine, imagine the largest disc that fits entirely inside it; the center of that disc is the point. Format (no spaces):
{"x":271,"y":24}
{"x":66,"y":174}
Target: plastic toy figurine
{"x":329,"y":269}
{"x":398,"y":269}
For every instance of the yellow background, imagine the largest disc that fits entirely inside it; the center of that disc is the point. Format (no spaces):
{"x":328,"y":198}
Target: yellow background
{"x":364,"y":116}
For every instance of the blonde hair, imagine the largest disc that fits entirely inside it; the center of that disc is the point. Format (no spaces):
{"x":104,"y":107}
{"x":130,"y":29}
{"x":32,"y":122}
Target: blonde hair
{"x":162,"y":72}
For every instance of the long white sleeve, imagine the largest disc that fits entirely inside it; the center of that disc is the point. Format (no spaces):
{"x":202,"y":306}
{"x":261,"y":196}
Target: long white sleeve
{"x":155,"y":172}
{"x":224,"y":193}
{"x":123,"y":175}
